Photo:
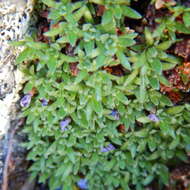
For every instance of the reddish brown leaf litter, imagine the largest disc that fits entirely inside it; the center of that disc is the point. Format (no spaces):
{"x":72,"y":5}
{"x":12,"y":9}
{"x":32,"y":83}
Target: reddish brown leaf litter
{"x":33,"y":91}
{"x":182,"y":49}
{"x":40,"y":36}
{"x":176,"y":78}
{"x":152,"y":14}
{"x":176,"y":81}
{"x":185,"y":69}
{"x":69,"y":50}
{"x":100,"y":10}
{"x":119,"y":32}
{"x":43,"y":26}
{"x":44,"y":14}
{"x":174,"y":96}
{"x":161,"y":3}
{"x":179,"y":77}
{"x":74,"y":69}
{"x":117,"y":70}
{"x":181,"y":175}
{"x":121,"y":128}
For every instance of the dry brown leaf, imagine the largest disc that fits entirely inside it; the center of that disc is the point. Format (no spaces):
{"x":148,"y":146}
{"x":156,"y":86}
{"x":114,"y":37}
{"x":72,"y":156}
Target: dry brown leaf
{"x":74,"y":69}
{"x":101,"y":9}
{"x":160,"y":3}
{"x":182,"y":49}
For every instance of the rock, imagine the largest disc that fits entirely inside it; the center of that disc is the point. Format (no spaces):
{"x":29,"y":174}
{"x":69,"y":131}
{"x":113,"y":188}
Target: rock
{"x":14,"y":22}
{"x":29,"y":185}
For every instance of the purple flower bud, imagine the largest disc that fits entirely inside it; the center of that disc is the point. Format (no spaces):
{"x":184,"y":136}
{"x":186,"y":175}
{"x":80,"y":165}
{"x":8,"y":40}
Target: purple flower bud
{"x":59,"y":188}
{"x":115,"y":114}
{"x":25,"y":101}
{"x":64,"y":123}
{"x":108,"y":148}
{"x":153,"y":117}
{"x":82,"y":184}
{"x":44,"y":102}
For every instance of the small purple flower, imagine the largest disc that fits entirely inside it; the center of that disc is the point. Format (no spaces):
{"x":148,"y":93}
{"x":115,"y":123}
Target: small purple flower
{"x":115,"y":114}
{"x":108,"y":148}
{"x":44,"y":102}
{"x":64,"y":123}
{"x":82,"y":184}
{"x":25,"y":101}
{"x":153,"y":117}
{"x":59,"y":188}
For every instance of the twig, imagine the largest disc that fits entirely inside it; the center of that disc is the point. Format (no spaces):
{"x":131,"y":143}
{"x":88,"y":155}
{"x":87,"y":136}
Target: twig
{"x":7,"y":160}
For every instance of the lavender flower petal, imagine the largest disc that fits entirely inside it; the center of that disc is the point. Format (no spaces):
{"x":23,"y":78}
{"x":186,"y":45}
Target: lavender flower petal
{"x":25,"y":101}
{"x":111,"y":147}
{"x":59,"y":188}
{"x":153,"y":117}
{"x":104,"y":150}
{"x":44,"y":102}
{"x":64,"y":123}
{"x":108,"y":148}
{"x":82,"y":184}
{"x":115,"y":114}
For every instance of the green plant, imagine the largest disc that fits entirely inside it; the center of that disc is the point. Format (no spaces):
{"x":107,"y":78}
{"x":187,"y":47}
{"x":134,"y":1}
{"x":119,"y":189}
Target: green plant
{"x":92,"y":103}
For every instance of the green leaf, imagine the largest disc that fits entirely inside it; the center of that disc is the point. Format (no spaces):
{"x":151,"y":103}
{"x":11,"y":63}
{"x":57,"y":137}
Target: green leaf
{"x":88,"y":16}
{"x":164,"y":45}
{"x":174,"y":143}
{"x":143,"y":119}
{"x":17,"y":43}
{"x":82,"y":75}
{"x":166,"y":129}
{"x":25,"y":55}
{"x":156,"y":66}
{"x":52,"y":64}
{"x":154,"y":82}
{"x":148,"y":180}
{"x":67,"y":171}
{"x":131,"y":13}
{"x":88,"y":112}
{"x":97,"y":106}
{"x":68,"y":59}
{"x":182,"y":28}
{"x":107,"y":17}
{"x":142,"y":90}
{"x":89,"y":46}
{"x":101,"y":2}
{"x":168,"y":66}
{"x":37,"y":45}
{"x":100,"y":61}
{"x":72,"y":37}
{"x":98,"y":92}
{"x":79,"y":13}
{"x":141,"y":133}
{"x":148,"y":36}
{"x":164,"y":174}
{"x":131,"y":77}
{"x":152,"y":144}
{"x":175,"y":110}
{"x":117,"y":11}
{"x":54,"y":32}
{"x":124,"y":61}
{"x":122,"y":98}
{"x":165,"y":101}
{"x":164,"y":81}
{"x":49,"y":3}
{"x":186,"y":19}
{"x":71,"y":155}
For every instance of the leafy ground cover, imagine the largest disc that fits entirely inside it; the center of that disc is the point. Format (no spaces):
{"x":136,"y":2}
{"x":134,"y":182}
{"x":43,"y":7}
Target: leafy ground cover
{"x":107,"y":94}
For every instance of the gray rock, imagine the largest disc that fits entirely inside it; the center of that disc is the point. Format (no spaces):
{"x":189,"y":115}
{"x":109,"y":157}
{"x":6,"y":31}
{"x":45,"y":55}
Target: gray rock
{"x":14,"y":22}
